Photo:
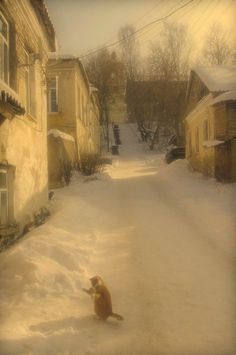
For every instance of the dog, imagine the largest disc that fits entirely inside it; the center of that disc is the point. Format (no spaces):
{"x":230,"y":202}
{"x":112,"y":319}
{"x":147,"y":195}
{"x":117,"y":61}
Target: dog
{"x":102,"y":299}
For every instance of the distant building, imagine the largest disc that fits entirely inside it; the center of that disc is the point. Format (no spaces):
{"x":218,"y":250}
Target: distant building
{"x":211,"y":121}
{"x":73,"y":109}
{"x":157,"y":102}
{"x":27,"y":35}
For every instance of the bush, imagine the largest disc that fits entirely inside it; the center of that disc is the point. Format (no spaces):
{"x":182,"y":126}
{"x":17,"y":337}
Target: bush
{"x":91,"y":164}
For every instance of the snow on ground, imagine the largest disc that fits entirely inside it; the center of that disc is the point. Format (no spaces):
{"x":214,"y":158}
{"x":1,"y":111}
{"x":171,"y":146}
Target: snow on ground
{"x":163,"y":239}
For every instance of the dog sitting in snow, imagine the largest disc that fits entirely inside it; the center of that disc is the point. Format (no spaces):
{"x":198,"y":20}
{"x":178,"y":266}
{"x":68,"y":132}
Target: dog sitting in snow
{"x":102,"y":299}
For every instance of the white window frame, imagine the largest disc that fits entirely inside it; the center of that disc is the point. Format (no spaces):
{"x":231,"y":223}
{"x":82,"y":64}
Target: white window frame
{"x":5,"y":41}
{"x":50,"y":95}
{"x":4,"y":189}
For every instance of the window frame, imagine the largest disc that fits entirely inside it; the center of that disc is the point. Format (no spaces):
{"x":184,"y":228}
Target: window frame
{"x":50,"y":95}
{"x":5,"y":41}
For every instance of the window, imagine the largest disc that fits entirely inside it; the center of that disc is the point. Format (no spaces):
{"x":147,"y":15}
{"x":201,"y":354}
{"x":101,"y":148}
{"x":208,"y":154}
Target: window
{"x":197,"y":139}
{"x":53,"y":96}
{"x":4,"y":49}
{"x":3,"y":197}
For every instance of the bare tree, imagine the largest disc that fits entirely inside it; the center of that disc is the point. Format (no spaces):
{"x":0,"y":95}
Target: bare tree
{"x":169,"y":56}
{"x":129,"y":50}
{"x":106,"y":72}
{"x":216,"y":49}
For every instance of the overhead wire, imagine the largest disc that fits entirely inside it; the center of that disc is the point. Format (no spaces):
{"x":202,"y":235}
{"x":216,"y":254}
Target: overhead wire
{"x":137,"y":31}
{"x":137,"y":20}
{"x":180,"y":14}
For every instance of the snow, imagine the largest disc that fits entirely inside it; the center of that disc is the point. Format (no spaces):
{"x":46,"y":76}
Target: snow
{"x":218,"y":77}
{"x":57,"y":133}
{"x":227,"y":96}
{"x":163,"y":239}
{"x":212,"y":143}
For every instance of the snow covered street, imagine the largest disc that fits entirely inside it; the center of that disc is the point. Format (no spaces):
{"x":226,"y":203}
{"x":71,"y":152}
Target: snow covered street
{"x":163,"y":240}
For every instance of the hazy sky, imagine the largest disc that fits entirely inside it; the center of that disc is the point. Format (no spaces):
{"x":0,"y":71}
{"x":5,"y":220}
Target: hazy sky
{"x":83,"y":25}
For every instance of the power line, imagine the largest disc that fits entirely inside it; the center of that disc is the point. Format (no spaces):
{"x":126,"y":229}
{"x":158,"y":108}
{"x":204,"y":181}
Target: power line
{"x":180,"y":14}
{"x":133,"y":23}
{"x":138,"y":30}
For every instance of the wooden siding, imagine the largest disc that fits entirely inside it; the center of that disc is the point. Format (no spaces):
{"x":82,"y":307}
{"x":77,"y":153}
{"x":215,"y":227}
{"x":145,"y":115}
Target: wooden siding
{"x":221,"y":125}
{"x":231,"y":115}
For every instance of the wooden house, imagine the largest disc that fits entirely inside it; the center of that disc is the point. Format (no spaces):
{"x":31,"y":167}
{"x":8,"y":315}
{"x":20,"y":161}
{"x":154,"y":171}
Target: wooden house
{"x":210,"y":121}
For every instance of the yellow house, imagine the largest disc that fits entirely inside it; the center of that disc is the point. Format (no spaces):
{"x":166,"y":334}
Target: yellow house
{"x":26,"y":37}
{"x":211,"y":121}
{"x":73,"y":105}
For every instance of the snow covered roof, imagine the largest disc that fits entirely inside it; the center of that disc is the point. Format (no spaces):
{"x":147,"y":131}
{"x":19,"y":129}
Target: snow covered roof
{"x":227,"y":96}
{"x":201,"y":105}
{"x":56,"y":133}
{"x":218,"y":77}
{"x":212,"y":143}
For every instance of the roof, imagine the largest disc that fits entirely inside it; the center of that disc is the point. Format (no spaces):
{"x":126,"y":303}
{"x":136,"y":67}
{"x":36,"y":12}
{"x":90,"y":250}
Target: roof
{"x":201,"y":105}
{"x":218,"y":78}
{"x":57,"y":60}
{"x":227,"y":96}
{"x":44,"y":19}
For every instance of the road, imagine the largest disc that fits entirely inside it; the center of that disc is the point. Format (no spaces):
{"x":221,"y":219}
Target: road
{"x":172,"y":283}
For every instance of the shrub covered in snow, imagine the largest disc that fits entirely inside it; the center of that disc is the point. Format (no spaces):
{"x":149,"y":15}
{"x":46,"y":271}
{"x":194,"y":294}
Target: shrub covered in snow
{"x":91,"y":164}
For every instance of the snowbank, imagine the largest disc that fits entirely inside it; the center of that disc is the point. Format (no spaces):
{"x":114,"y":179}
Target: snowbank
{"x":57,"y":133}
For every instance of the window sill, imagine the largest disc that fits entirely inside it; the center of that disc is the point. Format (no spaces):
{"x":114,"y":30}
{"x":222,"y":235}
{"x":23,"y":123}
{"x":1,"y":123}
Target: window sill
{"x":59,"y":113}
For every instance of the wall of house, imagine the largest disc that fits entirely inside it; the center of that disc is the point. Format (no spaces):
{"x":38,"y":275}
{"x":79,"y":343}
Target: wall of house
{"x":23,"y":139}
{"x":231,"y":115}
{"x":200,"y":157}
{"x":225,"y":130}
{"x":94,"y":126}
{"x":65,"y":118}
{"x":87,"y":117}
{"x":221,"y":125}
{"x":82,"y":113}
{"x":78,"y":113}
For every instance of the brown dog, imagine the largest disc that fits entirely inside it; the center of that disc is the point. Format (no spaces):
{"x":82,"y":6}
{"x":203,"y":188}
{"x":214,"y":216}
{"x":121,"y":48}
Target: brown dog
{"x":102,"y":299}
